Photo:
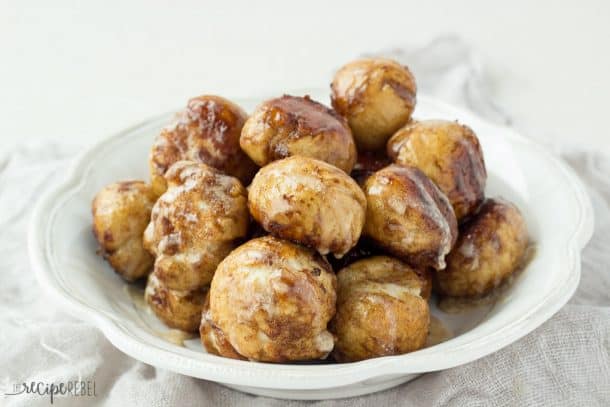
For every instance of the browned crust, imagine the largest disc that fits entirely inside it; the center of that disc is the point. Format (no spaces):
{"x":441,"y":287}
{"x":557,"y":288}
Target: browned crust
{"x":491,"y":247}
{"x":208,"y":132}
{"x":120,"y":213}
{"x":278,"y":315}
{"x":450,"y":154}
{"x":294,"y":125}
{"x":409,"y":183}
{"x":212,"y":337}
{"x":377,"y":96}
{"x":179,"y":310}
{"x":283,"y":201}
{"x":345,"y":102}
{"x":381,"y":310}
{"x":195,"y":224}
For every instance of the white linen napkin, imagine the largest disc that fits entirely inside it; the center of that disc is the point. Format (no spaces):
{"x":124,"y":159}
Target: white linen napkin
{"x":564,"y":362}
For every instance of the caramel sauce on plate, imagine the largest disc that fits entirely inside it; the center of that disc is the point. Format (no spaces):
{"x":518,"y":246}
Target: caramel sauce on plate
{"x":438,"y":332}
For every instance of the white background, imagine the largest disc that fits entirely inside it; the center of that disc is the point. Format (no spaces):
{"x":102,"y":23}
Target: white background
{"x":75,"y":71}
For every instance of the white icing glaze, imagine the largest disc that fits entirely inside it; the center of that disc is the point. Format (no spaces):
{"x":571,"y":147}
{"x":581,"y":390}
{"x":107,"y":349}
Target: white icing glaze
{"x":324,"y":341}
{"x":398,"y":291}
{"x":191,"y":217}
{"x":293,"y":178}
{"x":432,"y":209}
{"x":262,"y":337}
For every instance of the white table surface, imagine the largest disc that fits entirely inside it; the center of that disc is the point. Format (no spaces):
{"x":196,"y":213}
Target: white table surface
{"x":75,"y":71}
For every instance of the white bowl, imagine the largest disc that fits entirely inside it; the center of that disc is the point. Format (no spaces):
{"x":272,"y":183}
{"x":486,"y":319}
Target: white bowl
{"x":556,"y":207}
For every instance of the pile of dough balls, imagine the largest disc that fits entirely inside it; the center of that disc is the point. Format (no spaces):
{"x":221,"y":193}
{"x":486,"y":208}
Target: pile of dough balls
{"x":304,"y":232}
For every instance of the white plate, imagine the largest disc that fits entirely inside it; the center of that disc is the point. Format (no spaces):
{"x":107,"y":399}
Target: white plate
{"x":556,"y":207}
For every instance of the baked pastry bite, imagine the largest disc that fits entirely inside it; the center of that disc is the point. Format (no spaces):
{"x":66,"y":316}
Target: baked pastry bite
{"x":195,"y":224}
{"x":273,"y":299}
{"x":177,"y":309}
{"x":377,"y":96}
{"x":449,"y":153}
{"x":208,"y":132}
{"x":309,"y":202}
{"x":492,"y":245}
{"x":365,"y":248}
{"x":409,"y":216}
{"x":121,"y":212}
{"x":293,"y":125}
{"x":381,"y":310}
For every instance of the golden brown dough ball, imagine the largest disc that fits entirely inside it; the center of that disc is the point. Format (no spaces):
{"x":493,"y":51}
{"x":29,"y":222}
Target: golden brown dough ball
{"x":409,"y":216}
{"x":177,"y":309}
{"x":366,"y":248}
{"x":208,"y":132}
{"x":491,"y":246}
{"x":309,"y":202}
{"x":195,"y":224}
{"x":449,"y":154}
{"x":273,"y":299}
{"x":380,"y":310}
{"x":377,"y":96}
{"x":213,"y":339}
{"x":292,"y":125}
{"x":121,"y":212}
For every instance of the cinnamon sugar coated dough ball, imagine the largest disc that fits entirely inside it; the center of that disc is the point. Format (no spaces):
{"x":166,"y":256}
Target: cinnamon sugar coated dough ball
{"x":195,"y":224}
{"x":492,"y":246}
{"x":121,"y":212}
{"x":213,"y":339}
{"x":207,"y":131}
{"x":177,"y":309}
{"x":292,"y":125}
{"x":366,"y":249}
{"x":449,"y":154}
{"x":273,"y":299}
{"x":409,"y":216}
{"x":309,"y":202}
{"x":377,"y":96}
{"x":380,"y":310}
